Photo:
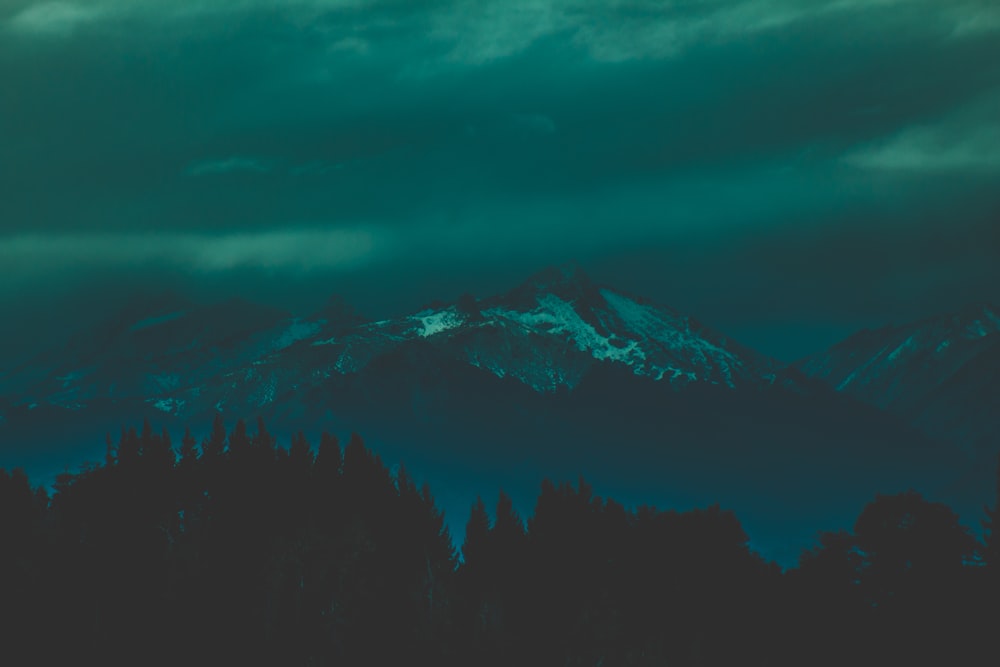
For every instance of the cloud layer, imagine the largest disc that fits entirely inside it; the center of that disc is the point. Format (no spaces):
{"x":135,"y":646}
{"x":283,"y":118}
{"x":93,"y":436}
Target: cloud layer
{"x":473,"y":138}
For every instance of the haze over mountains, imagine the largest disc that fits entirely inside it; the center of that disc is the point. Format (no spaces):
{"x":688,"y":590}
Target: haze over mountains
{"x":558,"y":376}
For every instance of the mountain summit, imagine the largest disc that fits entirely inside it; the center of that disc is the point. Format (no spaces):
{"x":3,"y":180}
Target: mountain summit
{"x":548,"y":333}
{"x":561,"y":306}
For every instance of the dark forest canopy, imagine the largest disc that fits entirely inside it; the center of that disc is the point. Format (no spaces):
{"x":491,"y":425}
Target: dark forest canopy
{"x":237,"y":550}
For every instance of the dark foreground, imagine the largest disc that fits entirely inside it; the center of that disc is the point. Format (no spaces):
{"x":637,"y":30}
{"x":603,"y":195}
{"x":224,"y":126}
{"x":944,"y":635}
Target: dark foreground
{"x":238,"y":551}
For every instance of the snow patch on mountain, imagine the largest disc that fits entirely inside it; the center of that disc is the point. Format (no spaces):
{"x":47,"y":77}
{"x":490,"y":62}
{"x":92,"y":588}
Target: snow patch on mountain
{"x":169,"y":405}
{"x":434,"y":323}
{"x":325,"y":341}
{"x":267,"y":392}
{"x":675,"y":334}
{"x":554,"y":316}
{"x":906,"y":346}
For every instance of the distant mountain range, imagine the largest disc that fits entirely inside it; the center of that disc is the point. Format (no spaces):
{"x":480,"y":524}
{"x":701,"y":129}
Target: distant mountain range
{"x":238,"y":358}
{"x":559,"y":376}
{"x":941,"y":374}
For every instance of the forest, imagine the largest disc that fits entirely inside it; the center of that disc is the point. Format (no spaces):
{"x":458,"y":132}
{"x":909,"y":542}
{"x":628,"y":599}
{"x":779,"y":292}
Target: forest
{"x":241,"y":550}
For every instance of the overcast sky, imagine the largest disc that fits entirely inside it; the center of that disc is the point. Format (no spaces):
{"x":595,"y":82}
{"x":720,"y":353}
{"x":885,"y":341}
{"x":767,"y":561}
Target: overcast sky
{"x":786,"y":170}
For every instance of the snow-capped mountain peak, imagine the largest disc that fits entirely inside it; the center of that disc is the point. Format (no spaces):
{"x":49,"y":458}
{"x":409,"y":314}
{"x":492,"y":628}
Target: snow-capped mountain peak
{"x":438,"y":322}
{"x":547,"y":333}
{"x":562,"y":304}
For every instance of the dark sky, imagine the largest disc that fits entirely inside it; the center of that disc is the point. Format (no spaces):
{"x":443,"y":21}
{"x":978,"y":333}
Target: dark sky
{"x":785,"y":170}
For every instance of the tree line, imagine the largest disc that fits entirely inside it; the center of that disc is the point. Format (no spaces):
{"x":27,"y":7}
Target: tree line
{"x":240,"y":550}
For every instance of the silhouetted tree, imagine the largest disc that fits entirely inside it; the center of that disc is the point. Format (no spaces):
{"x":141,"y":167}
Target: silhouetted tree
{"x":129,"y":448}
{"x":239,"y":440}
{"x":24,"y":566}
{"x":895,"y":582}
{"x":328,"y":460}
{"x":189,"y":451}
{"x":300,"y":453}
{"x":477,"y":532}
{"x":991,"y":526}
{"x":263,"y":439}
{"x":214,"y":446}
{"x":254,"y":558}
{"x":909,"y":545}
{"x":109,"y":451}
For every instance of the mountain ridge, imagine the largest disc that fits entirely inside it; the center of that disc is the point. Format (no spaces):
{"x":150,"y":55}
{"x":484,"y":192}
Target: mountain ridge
{"x":940,"y":373}
{"x":556,"y":376}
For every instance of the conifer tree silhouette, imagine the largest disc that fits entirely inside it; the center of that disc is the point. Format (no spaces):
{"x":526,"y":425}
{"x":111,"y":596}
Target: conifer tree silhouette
{"x":239,"y":440}
{"x":333,"y":559}
{"x":129,"y":448}
{"x":188,"y":450}
{"x":214,"y":446}
{"x":328,"y":460}
{"x":263,"y":439}
{"x":476,"y":544}
{"x":991,"y":527}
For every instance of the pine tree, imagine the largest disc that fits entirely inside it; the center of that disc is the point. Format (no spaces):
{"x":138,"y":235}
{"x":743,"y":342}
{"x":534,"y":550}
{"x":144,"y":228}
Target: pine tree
{"x":129,"y":448}
{"x":509,"y":528}
{"x":146,"y":438}
{"x":300,"y":453}
{"x":239,"y":440}
{"x":365,"y":477}
{"x":328,"y":459}
{"x":991,"y":526}
{"x":160,"y":452}
{"x":215,"y":445}
{"x":477,"y":536}
{"x":188,"y":453}
{"x":109,"y":451}
{"x":262,"y":439}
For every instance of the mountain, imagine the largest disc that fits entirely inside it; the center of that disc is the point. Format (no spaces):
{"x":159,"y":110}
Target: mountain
{"x":151,"y":346}
{"x":557,"y":377}
{"x":548,"y":333}
{"x":941,"y":374}
{"x":190,"y":360}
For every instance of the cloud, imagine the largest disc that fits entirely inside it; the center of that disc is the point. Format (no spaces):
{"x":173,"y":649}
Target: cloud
{"x":652,"y":30}
{"x":478,"y":32}
{"x":493,"y":229}
{"x":532,"y":128}
{"x":624,"y":30}
{"x":482,"y":32}
{"x":968,"y":140}
{"x":975,"y":22}
{"x":292,"y":250}
{"x":54,"y":18}
{"x":229,"y":165}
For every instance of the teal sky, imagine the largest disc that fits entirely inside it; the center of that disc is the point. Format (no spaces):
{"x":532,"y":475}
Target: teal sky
{"x":785,"y":170}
